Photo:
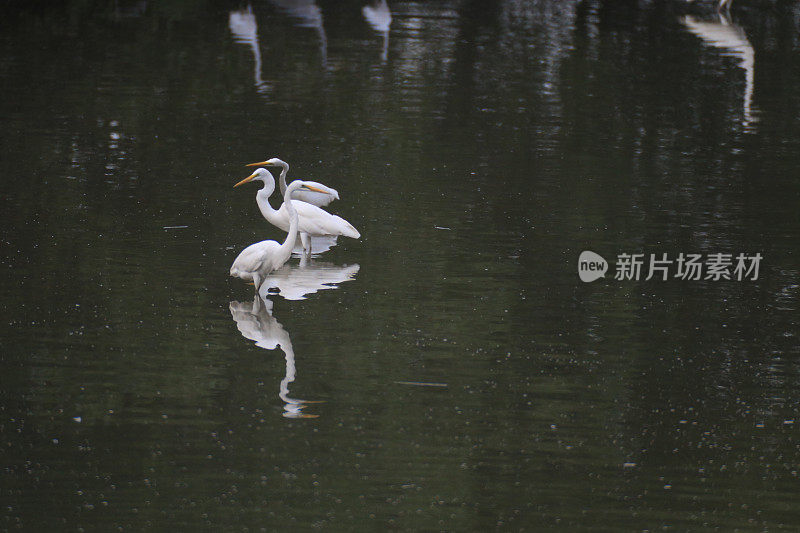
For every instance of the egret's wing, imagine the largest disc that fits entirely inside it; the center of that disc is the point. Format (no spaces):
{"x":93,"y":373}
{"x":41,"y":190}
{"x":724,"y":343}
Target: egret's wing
{"x":317,"y":221}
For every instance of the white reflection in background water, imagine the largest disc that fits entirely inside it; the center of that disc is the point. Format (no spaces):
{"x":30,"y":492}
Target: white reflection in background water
{"x":244,"y":28}
{"x":306,"y":14}
{"x":379,"y":16}
{"x":733,"y":41}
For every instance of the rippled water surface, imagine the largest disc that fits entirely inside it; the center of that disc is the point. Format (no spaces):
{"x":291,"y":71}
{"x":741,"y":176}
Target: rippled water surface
{"x":449,"y":370}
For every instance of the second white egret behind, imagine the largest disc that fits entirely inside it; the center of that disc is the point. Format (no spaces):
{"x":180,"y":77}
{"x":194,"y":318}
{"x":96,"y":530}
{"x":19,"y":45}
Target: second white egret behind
{"x":314,"y":198}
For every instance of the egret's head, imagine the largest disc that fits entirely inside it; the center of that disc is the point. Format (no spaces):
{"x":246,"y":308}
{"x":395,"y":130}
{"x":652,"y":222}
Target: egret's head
{"x":274,"y":162}
{"x":261,"y":174}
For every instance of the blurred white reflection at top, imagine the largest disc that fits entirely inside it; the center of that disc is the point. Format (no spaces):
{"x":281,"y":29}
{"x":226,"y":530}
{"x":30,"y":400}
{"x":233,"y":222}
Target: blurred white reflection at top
{"x":244,"y":28}
{"x":379,"y":17}
{"x":733,"y":41}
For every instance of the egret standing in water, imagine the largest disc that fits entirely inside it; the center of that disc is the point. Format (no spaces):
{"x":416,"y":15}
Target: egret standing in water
{"x":256,"y":261}
{"x":319,"y":200}
{"x":312,"y":221}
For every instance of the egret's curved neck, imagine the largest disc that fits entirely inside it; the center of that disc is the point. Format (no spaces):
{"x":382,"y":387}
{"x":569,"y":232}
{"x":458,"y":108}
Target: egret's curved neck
{"x":284,"y":170}
{"x":291,"y":237}
{"x":290,"y":373}
{"x":262,"y":198}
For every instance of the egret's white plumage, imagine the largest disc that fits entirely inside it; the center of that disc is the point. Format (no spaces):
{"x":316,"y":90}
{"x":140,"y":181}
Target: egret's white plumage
{"x":312,"y":220}
{"x":314,"y":198}
{"x":261,"y":258}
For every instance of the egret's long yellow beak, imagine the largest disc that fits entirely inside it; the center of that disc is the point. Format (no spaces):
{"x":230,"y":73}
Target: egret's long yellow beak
{"x":312,"y":188}
{"x":248,"y":178}
{"x":261,"y":164}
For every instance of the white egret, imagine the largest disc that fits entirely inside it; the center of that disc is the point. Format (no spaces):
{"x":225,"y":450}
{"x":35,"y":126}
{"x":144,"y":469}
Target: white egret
{"x":319,"y":200}
{"x":259,"y":259}
{"x":313,"y":221}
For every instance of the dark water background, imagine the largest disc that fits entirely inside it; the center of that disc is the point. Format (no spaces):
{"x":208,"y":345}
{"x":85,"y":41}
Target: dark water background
{"x":464,"y":378}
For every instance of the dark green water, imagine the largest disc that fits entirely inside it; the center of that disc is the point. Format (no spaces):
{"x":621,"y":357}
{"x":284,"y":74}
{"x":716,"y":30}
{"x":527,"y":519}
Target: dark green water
{"x":464,"y":378}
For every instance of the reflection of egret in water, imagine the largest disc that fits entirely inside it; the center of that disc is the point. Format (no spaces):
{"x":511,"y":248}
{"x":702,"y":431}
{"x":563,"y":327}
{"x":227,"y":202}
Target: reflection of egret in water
{"x":244,"y":28}
{"x":255,"y":322}
{"x":297,"y":282}
{"x":732,"y":39}
{"x":379,"y":17}
{"x":309,"y":15}
{"x":319,"y":245}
